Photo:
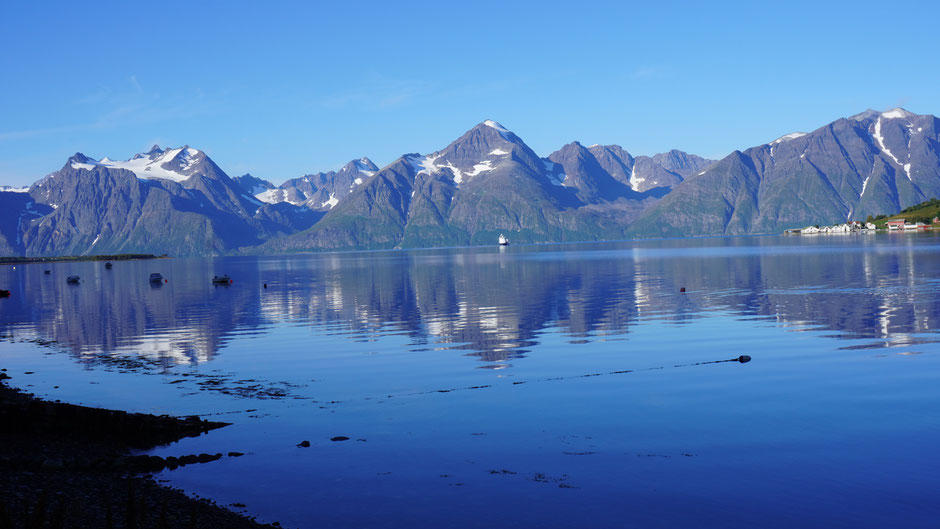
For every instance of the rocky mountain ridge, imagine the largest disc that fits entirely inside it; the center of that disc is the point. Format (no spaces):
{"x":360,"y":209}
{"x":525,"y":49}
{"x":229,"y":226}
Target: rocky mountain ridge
{"x":486,"y":182}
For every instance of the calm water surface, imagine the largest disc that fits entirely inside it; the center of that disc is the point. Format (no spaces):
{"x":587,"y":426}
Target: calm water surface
{"x":537,"y":386}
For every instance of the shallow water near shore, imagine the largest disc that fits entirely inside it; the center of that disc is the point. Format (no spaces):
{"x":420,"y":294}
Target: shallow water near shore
{"x":529,"y":386}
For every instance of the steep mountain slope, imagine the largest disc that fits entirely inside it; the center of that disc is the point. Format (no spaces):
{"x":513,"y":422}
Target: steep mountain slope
{"x":17,"y":210}
{"x":870,"y":163}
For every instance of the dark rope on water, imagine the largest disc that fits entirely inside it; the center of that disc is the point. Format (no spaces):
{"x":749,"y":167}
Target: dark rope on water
{"x":743,"y":359}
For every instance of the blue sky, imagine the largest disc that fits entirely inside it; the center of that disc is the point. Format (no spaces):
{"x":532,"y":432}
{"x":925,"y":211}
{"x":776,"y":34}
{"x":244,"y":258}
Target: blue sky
{"x":293,"y":88}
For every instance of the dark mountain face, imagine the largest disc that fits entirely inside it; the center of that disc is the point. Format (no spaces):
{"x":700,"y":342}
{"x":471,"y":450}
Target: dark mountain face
{"x":17,"y":210}
{"x":681,"y":163}
{"x":615,"y":160}
{"x":585,"y":174}
{"x":868,"y":164}
{"x":655,"y":175}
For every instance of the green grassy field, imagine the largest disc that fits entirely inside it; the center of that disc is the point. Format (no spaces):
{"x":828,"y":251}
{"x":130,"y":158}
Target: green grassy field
{"x":923,"y":212}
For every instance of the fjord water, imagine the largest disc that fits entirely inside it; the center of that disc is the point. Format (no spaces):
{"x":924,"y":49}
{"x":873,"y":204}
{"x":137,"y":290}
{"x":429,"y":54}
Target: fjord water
{"x":530,"y":386}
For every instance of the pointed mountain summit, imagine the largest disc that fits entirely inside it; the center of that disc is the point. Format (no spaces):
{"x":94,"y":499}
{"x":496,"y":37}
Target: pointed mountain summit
{"x":587,"y":176}
{"x":479,"y":150}
{"x":486,"y":182}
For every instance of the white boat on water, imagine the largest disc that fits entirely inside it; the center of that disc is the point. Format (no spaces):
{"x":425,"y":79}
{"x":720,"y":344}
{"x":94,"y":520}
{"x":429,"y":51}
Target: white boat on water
{"x":503,"y":241}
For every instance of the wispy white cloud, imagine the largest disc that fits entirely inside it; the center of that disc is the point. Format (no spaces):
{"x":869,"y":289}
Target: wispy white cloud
{"x":645,"y":72}
{"x":133,"y":81}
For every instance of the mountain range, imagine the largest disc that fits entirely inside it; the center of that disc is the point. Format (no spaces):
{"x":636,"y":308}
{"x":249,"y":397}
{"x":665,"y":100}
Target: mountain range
{"x":488,"y":181}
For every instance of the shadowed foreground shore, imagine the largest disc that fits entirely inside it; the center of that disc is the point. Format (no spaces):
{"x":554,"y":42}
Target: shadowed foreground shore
{"x":65,"y":466}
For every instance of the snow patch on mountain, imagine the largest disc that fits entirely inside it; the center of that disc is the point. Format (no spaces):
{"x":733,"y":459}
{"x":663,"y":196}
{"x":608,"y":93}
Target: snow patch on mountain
{"x":881,"y":144}
{"x":635,"y":180}
{"x":503,"y":131}
{"x":275,"y":196}
{"x":364,"y":166}
{"x":429,"y":165}
{"x":498,"y":152}
{"x":788,"y":137}
{"x":331,"y":202}
{"x":897,"y":113}
{"x":481,"y":167}
{"x":424,"y":164}
{"x":554,"y":179}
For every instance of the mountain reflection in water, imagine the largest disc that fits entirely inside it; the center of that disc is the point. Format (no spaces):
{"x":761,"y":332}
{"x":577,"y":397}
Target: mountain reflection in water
{"x":492,"y":303}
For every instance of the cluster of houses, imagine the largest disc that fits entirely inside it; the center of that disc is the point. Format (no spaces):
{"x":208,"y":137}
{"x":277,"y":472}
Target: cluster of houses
{"x":856,"y":226}
{"x":901,"y":224}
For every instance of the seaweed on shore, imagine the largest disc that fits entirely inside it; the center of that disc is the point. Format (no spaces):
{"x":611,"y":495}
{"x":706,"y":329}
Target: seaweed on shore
{"x":68,"y":466}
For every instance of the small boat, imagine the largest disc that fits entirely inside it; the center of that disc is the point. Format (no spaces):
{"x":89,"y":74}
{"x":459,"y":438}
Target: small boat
{"x":72,"y":279}
{"x":156,"y":277}
{"x":108,"y":266}
{"x":4,"y":293}
{"x":47,"y":272}
{"x":503,"y":241}
{"x":223,"y":279}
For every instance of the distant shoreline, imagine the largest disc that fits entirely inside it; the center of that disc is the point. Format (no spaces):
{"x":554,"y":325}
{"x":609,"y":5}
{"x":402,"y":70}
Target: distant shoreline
{"x":117,"y":257}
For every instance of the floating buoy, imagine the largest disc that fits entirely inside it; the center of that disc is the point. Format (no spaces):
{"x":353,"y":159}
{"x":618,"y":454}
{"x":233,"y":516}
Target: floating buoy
{"x":682,"y":289}
{"x":265,"y":285}
{"x":166,"y":280}
{"x":230,"y":281}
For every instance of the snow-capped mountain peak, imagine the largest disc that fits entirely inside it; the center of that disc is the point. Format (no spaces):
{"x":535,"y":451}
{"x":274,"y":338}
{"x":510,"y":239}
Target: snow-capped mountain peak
{"x":503,"y":131}
{"x":363,"y":165}
{"x":897,"y":113}
{"x":788,"y":137}
{"x":495,"y":125}
{"x":170,"y":164}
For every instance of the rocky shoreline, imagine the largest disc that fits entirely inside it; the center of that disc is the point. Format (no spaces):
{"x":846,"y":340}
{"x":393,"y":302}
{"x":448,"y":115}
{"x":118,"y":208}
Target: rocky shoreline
{"x":68,"y":466}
